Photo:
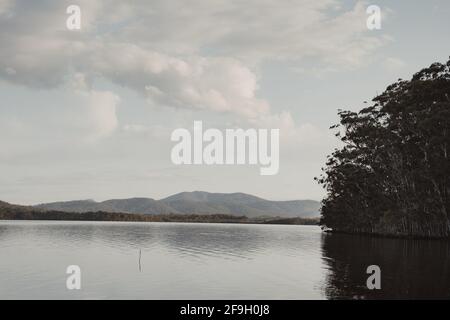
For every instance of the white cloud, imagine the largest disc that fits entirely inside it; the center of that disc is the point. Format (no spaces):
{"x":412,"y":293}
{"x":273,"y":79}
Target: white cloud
{"x":199,"y":55}
{"x":256,"y":30}
{"x":214,"y":83}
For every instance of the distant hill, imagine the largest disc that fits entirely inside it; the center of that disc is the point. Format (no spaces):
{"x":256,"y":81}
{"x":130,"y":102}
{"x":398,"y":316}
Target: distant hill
{"x":198,"y":202}
{"x":6,"y":207}
{"x":132,"y":205}
{"x":16,"y":212}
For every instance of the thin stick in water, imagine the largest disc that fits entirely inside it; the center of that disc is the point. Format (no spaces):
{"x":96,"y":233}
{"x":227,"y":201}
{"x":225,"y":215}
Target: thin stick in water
{"x":140,"y":269}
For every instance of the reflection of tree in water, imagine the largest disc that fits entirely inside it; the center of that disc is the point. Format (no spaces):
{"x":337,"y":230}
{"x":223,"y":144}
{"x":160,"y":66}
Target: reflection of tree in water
{"x":4,"y":232}
{"x":409,"y":268}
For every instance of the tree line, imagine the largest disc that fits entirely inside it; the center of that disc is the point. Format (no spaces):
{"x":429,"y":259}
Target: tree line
{"x":392,"y":173}
{"x":16,"y":212}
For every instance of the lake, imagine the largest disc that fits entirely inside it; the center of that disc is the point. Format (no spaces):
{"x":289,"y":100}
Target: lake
{"x":213,"y":261}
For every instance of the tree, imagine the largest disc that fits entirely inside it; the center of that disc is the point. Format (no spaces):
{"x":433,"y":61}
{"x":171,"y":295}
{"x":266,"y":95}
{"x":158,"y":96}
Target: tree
{"x":392,"y":174}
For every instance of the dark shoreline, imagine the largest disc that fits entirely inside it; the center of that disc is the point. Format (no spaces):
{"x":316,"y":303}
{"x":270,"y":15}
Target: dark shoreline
{"x":130,"y":217}
{"x":173,"y":221}
{"x":386,"y":235}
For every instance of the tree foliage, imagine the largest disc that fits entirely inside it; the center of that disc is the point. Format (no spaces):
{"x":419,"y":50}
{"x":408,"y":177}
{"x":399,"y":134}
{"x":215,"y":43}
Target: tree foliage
{"x":392,"y":174}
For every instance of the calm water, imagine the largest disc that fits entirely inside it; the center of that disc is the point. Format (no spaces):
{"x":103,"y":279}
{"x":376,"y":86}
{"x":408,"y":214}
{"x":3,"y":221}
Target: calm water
{"x":212,"y":261}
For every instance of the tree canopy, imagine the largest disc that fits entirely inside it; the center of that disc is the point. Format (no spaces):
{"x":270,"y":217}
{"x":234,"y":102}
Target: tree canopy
{"x":392,"y":175}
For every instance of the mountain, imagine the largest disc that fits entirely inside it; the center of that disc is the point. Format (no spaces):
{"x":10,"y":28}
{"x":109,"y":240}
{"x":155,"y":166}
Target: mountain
{"x":132,"y":205}
{"x":17,"y":212}
{"x":197,"y":202}
{"x":7,"y":207}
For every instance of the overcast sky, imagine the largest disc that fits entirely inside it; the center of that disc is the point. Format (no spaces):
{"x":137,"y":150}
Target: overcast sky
{"x":87,"y":114}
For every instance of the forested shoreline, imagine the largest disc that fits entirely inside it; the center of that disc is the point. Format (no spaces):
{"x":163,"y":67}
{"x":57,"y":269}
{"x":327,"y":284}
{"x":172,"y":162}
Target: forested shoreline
{"x":392,"y":175}
{"x":15,"y":212}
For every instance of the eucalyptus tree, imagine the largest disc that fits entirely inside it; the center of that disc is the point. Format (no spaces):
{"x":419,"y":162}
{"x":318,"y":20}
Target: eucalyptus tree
{"x":392,"y":174}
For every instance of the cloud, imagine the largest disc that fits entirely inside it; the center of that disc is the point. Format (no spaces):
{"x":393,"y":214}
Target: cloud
{"x":215,"y":83}
{"x":198,"y":55}
{"x":256,"y":30}
{"x":73,"y":104}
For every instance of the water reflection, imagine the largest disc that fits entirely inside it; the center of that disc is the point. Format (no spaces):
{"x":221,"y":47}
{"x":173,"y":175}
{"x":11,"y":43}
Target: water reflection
{"x":240,"y":241}
{"x":213,"y":261}
{"x":160,"y":260}
{"x":416,"y":269}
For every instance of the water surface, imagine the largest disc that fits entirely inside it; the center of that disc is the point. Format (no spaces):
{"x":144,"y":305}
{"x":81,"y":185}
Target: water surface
{"x":212,"y":261}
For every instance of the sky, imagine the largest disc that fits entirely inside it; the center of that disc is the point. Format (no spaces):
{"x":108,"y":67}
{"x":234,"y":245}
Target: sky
{"x":88,"y":113}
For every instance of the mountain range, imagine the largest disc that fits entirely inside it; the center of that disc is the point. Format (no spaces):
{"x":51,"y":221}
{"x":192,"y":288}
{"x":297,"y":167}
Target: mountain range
{"x":197,"y":202}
